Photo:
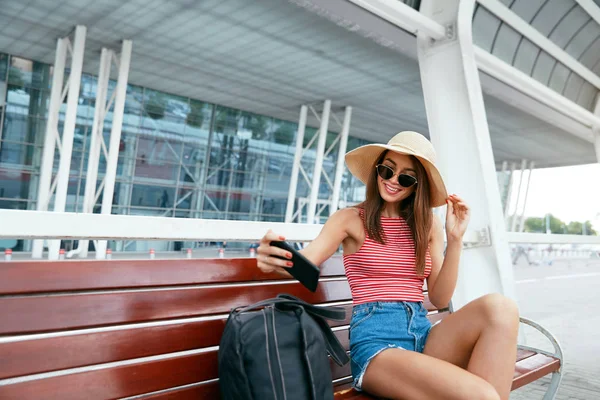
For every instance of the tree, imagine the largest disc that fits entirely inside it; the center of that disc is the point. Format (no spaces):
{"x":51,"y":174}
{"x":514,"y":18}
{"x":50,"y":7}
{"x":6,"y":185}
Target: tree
{"x":195,"y":117}
{"x":577,"y":228}
{"x":284,"y":134}
{"x":535,"y":225}
{"x":538,"y":225}
{"x":15,"y":77}
{"x":155,"y":106}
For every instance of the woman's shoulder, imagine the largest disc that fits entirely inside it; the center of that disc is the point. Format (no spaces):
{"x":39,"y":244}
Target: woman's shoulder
{"x":351,"y":213}
{"x":349,"y":219}
{"x":347,"y":215}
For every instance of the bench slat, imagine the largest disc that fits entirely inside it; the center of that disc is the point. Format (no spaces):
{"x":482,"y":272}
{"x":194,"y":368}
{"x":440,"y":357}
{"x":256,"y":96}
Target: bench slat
{"x":31,"y":356}
{"x":533,"y":368}
{"x":207,"y":391}
{"x":47,"y":313}
{"x":120,"y":381}
{"x":52,"y":276}
{"x":63,"y":352}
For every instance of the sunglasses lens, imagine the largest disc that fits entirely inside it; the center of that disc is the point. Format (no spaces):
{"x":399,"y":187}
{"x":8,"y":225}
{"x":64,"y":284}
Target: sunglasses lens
{"x":406,"y":180}
{"x":385,"y":172}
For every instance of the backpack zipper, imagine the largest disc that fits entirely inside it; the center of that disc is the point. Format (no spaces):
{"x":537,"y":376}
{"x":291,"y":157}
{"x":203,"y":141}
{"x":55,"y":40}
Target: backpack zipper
{"x":278,"y":357}
{"x":268,"y":356}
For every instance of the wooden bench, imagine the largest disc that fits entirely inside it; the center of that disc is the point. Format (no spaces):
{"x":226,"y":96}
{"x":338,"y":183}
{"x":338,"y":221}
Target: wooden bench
{"x":149,"y":329}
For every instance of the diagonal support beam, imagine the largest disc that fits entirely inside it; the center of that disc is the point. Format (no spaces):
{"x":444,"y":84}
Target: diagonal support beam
{"x":522,"y":82}
{"x":115,"y":139}
{"x":316,"y":176}
{"x":52,"y":138}
{"x":339,"y":169}
{"x":92,"y":193}
{"x":591,"y":8}
{"x":511,"y":18}
{"x":404,"y":16}
{"x":596,"y":128}
{"x":395,"y":12}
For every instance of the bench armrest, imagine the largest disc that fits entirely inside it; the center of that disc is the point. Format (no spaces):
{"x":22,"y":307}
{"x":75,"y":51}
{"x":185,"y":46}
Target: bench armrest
{"x":558,"y":353}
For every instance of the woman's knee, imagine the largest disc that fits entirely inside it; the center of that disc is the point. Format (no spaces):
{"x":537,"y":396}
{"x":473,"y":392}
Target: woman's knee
{"x":498,"y":309}
{"x":484,"y":392}
{"x":476,"y":389}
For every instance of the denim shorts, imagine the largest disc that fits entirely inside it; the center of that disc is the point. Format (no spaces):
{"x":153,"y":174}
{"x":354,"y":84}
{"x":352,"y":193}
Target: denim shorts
{"x":378,"y":326}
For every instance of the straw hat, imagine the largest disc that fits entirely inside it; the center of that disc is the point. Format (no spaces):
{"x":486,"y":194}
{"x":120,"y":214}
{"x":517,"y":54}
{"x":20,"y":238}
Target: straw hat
{"x":360,"y":161}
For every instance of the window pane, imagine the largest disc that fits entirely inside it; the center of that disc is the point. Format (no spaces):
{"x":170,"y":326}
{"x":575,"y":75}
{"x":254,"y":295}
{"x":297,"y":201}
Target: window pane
{"x":17,"y":153}
{"x":14,"y":185}
{"x":3,"y":66}
{"x":152,"y":196}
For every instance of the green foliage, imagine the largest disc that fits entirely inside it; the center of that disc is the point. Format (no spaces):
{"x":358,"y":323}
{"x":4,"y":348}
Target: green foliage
{"x":15,"y":77}
{"x":195,"y":117}
{"x":557,"y":226}
{"x":155,"y":106}
{"x":284,"y":134}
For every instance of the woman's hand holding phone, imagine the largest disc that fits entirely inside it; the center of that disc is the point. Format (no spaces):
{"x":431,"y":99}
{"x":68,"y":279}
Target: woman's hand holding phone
{"x":267,"y":256}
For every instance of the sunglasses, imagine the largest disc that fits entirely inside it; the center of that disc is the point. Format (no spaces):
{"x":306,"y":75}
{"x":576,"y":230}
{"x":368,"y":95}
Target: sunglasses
{"x":386,"y":173}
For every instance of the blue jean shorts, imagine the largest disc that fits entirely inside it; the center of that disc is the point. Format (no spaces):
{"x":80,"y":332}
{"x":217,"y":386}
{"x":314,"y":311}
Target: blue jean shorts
{"x":379,"y":326}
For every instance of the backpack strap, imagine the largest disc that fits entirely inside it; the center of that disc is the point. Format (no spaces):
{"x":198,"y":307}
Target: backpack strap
{"x":319,"y":314}
{"x":329,"y":312}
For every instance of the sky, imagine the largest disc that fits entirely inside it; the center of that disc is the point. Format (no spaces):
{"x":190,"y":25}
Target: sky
{"x":569,"y":193}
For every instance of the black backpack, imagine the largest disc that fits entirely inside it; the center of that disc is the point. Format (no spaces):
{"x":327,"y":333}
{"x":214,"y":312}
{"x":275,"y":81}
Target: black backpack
{"x":279,"y":352}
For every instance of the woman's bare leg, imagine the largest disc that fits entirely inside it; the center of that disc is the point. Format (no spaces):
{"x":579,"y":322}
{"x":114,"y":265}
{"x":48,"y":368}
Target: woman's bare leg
{"x":470,"y":355}
{"x":407,"y":375}
{"x":482,"y":338}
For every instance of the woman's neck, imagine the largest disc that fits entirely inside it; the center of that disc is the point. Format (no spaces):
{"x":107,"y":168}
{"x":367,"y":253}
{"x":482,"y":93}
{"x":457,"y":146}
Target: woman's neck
{"x":390,"y":211}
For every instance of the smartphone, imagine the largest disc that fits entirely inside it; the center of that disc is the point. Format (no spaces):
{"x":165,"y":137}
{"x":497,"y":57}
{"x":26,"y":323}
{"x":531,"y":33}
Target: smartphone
{"x":303,"y":270}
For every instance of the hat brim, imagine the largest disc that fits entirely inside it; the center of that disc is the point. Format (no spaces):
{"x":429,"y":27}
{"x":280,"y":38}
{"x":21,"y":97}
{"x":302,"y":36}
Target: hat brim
{"x":360,"y":163}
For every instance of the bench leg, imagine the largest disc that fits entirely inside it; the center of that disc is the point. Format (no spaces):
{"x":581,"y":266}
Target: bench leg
{"x":558,"y":353}
{"x":554,"y":384}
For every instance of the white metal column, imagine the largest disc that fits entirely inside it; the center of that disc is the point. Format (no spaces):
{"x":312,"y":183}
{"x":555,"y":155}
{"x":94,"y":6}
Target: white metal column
{"x":339,"y":168}
{"x":312,"y":203}
{"x":457,"y":120}
{"x":289,"y":211}
{"x":513,"y":220}
{"x":65,"y":144}
{"x":596,"y":128}
{"x":509,"y":194}
{"x":316,"y":178}
{"x":96,"y":143}
{"x":527,"y":185}
{"x":115,"y":138}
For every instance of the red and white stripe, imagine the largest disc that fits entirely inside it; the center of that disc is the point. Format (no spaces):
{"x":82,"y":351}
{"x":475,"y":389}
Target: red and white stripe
{"x":378,"y":272}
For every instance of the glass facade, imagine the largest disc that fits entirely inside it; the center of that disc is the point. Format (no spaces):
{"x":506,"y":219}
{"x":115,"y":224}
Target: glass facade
{"x":179,"y":157}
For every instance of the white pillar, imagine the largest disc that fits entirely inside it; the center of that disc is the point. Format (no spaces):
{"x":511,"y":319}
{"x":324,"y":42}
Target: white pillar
{"x":513,"y":223}
{"x":597,"y":144}
{"x":318,"y":169}
{"x":339,"y":168}
{"x":289,"y":211}
{"x":510,"y":185}
{"x":596,"y":130}
{"x":96,"y":139}
{"x":457,"y":120}
{"x":527,"y":185}
{"x":66,"y":150}
{"x":115,"y":139}
{"x":56,"y":98}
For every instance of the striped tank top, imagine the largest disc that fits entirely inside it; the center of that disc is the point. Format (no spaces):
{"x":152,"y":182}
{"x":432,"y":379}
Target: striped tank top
{"x":386,"y":272}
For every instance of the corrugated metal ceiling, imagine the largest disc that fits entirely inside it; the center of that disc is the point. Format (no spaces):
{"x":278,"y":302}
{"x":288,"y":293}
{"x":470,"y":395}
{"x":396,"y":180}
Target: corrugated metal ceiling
{"x":269,"y":57}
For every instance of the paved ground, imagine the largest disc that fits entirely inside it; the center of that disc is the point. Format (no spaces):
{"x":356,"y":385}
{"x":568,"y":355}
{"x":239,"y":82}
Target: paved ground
{"x":563,"y":298}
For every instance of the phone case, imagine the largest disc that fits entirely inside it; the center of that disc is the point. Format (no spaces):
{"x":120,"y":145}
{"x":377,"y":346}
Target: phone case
{"x":303,"y":270}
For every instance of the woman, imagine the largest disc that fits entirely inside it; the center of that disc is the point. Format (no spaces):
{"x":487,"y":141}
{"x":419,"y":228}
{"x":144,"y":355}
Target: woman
{"x":392,"y":242}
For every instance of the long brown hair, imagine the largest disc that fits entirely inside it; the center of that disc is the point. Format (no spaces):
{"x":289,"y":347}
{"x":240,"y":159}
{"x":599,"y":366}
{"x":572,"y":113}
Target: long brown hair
{"x":415,"y":209}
